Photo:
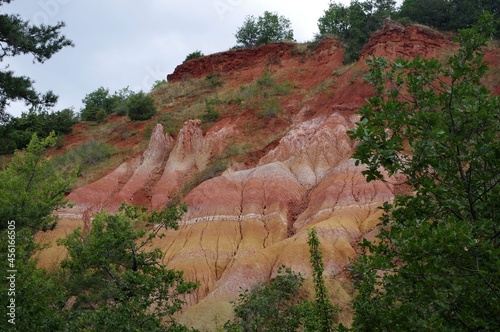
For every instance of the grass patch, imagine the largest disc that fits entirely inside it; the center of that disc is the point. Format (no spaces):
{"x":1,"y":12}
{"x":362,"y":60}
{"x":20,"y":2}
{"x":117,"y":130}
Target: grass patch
{"x":266,"y":86}
{"x":322,"y":87}
{"x":270,"y":109}
{"x":86,"y":158}
{"x":175,"y":93}
{"x":211,"y":114}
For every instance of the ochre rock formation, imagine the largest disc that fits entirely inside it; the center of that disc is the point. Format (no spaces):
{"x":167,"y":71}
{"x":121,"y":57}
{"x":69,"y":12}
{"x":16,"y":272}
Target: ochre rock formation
{"x":243,"y":225}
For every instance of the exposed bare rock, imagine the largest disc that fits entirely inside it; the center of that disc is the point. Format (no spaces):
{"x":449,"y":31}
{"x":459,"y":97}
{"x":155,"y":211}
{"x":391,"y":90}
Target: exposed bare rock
{"x":150,"y":180}
{"x":345,"y":194}
{"x":53,"y":255}
{"x":312,"y":148}
{"x":124,"y":184}
{"x":149,"y":170}
{"x":240,"y":226}
{"x":95,"y":196}
{"x":230,"y":61}
{"x":243,"y":225}
{"x":395,"y":40}
{"x":190,"y":154}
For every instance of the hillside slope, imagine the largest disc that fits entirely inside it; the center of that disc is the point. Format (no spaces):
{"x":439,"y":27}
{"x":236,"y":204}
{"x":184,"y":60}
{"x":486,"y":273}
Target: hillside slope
{"x":255,"y":181}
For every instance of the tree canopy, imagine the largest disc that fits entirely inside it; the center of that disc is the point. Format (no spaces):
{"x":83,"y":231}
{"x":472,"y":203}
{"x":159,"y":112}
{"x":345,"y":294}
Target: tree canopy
{"x":436,"y":263}
{"x":17,"y":37}
{"x":448,"y":15}
{"x":268,"y":28}
{"x":119,"y":282}
{"x":355,"y":23}
{"x":30,"y":188}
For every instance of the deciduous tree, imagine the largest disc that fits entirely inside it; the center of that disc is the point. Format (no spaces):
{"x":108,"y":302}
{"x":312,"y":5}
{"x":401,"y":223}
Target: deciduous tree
{"x":273,"y":306}
{"x":355,"y":23}
{"x":436,"y":263}
{"x":268,"y":28}
{"x":117,"y":276}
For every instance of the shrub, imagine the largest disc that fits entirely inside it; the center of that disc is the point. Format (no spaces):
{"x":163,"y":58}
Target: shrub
{"x":211,"y":114}
{"x":93,"y":102}
{"x":101,"y":115}
{"x":273,"y":306}
{"x":270,"y":110}
{"x":214,"y":80}
{"x":267,"y":80}
{"x":140,"y":107}
{"x":101,"y":99}
{"x":195,"y":55}
{"x":158,"y":83}
{"x":121,"y":109}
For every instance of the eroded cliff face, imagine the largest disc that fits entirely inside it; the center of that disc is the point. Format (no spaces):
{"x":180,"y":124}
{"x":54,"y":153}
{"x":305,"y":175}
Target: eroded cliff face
{"x":243,"y":225}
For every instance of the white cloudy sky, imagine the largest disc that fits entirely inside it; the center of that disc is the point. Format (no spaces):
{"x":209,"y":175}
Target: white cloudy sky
{"x":120,"y":43}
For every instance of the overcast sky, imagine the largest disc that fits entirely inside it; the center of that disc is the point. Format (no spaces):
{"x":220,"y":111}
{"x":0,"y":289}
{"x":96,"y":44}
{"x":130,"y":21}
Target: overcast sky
{"x":120,"y":43}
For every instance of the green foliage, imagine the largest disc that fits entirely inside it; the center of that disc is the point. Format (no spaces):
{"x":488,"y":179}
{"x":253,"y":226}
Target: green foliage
{"x":18,"y":37}
{"x":99,"y":99}
{"x":30,"y":188}
{"x":39,"y":296}
{"x":17,"y":132}
{"x":280,"y":305}
{"x":211,"y":114}
{"x":355,"y":23}
{"x":335,"y":20}
{"x":268,"y":28}
{"x":265,"y":86}
{"x":448,"y":15}
{"x":83,"y":157}
{"x":119,"y":101}
{"x":117,"y":277}
{"x":433,"y":13}
{"x":270,"y":109}
{"x":100,"y":103}
{"x":214,"y":80}
{"x":158,"y":83}
{"x":323,"y":309}
{"x":195,"y":55}
{"x":271,"y":306}
{"x":101,"y":115}
{"x":140,"y":107}
{"x":436,"y":263}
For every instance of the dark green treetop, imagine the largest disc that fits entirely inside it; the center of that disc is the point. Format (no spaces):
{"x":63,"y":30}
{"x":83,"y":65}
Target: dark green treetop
{"x":17,"y":37}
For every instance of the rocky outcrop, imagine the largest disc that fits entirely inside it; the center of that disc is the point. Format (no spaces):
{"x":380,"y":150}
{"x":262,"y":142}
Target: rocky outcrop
{"x":396,"y":40}
{"x":136,"y":189}
{"x":191,"y":154}
{"x":150,"y":180}
{"x":230,"y":61}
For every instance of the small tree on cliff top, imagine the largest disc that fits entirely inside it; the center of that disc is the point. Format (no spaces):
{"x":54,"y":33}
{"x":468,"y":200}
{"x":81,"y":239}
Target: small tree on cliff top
{"x":436,"y":264}
{"x":266,"y":29}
